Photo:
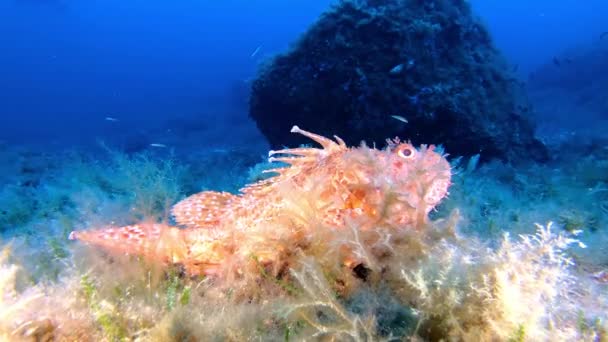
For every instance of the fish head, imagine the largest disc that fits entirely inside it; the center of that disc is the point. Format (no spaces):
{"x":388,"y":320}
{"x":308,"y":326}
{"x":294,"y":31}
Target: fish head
{"x":421,"y":177}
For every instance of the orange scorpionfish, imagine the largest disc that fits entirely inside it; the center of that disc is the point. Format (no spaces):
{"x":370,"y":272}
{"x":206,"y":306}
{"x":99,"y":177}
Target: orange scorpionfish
{"x":336,"y":185}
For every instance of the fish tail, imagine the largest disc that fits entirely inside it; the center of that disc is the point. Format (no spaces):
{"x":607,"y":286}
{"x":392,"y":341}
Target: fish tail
{"x":154,"y":241}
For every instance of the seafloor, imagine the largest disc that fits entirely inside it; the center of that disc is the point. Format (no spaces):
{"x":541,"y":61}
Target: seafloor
{"x":464,"y":278}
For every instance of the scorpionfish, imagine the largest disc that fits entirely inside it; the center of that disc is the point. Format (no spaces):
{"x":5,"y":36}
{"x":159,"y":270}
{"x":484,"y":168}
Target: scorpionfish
{"x":333,"y":186}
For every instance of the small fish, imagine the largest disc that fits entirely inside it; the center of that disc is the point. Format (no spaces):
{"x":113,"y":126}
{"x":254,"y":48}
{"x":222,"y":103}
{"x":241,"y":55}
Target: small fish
{"x":400,"y":118}
{"x":158,"y":145}
{"x":256,"y":51}
{"x":556,"y":61}
{"x":111,"y":119}
{"x":396,"y":69}
{"x":410,"y":64}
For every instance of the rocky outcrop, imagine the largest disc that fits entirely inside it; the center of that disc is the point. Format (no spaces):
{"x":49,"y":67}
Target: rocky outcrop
{"x":366,"y":67}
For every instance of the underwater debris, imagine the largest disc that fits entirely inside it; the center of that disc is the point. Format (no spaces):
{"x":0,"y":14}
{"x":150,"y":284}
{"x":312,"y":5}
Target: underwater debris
{"x":395,"y":187}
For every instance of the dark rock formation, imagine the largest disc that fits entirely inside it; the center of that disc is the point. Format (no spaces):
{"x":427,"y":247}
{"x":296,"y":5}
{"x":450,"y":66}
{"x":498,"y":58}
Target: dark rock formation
{"x":365,"y":62}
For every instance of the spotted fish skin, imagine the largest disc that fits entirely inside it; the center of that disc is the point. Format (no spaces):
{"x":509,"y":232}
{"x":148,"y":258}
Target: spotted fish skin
{"x":155,"y":240}
{"x":394,"y":187}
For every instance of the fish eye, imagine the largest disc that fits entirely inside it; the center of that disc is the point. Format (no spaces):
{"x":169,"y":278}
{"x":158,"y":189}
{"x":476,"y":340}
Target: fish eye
{"x":406,"y":152}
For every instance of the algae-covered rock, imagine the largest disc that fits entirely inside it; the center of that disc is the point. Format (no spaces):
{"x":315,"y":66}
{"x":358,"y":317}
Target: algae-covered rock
{"x":364,"y":68}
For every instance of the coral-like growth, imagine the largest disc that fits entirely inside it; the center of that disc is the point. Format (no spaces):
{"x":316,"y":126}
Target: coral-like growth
{"x":521,"y":288}
{"x":8,"y":274}
{"x":40,"y":313}
{"x":323,"y":310}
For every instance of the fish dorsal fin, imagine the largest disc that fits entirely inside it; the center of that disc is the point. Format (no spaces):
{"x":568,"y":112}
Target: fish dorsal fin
{"x":153,"y":240}
{"x":306,"y":155}
{"x":203,"y":210}
{"x":300,"y":159}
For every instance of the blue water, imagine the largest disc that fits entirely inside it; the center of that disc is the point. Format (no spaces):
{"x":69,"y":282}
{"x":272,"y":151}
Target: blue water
{"x":531,"y":32}
{"x":67,"y":65}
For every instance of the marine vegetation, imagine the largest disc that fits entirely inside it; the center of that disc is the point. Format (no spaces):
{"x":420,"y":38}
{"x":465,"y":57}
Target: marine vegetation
{"x":342,"y":243}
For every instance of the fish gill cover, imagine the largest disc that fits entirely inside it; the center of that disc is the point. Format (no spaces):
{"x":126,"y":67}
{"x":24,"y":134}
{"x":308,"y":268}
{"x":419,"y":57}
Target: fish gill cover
{"x":430,"y":62}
